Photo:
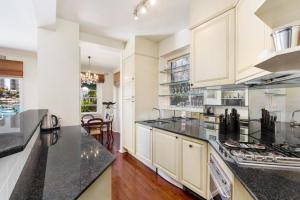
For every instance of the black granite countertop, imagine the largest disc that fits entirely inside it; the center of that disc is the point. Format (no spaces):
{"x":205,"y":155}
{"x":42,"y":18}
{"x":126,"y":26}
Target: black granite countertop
{"x":62,"y":165}
{"x":16,"y":130}
{"x":262,"y":183}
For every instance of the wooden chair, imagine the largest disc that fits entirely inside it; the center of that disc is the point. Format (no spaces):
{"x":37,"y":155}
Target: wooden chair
{"x":94,"y":127}
{"x":86,"y":117}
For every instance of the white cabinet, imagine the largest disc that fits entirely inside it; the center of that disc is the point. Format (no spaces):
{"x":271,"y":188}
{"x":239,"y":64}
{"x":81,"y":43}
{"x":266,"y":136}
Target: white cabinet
{"x":128,"y":125}
{"x":143,"y":143}
{"x":252,"y":38}
{"x":139,"y":76}
{"x":194,"y":166}
{"x":213,"y":52}
{"x":204,"y":10}
{"x":166,"y":152}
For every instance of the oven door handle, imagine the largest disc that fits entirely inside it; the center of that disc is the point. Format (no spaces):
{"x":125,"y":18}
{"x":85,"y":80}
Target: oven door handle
{"x":217,"y":183}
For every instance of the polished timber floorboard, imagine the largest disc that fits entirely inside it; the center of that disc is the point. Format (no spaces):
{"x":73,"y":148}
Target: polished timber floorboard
{"x":131,"y":180}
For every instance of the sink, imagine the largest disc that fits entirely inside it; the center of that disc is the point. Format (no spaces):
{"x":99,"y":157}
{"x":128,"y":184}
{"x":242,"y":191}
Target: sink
{"x":156,"y":121}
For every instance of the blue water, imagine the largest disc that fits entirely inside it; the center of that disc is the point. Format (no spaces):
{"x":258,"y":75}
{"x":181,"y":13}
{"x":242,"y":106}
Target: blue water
{"x":10,"y":112}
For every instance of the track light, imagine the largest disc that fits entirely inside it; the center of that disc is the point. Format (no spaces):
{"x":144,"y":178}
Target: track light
{"x":152,"y":2}
{"x":143,"y":9}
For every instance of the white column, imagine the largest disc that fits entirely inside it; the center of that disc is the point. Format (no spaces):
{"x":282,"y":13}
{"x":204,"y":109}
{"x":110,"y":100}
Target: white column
{"x":59,"y":71}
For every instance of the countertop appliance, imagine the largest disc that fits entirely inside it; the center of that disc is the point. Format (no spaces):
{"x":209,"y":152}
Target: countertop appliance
{"x":50,"y":122}
{"x":220,"y":186}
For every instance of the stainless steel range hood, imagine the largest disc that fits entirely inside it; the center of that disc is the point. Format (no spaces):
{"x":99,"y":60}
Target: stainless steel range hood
{"x":284,"y":79}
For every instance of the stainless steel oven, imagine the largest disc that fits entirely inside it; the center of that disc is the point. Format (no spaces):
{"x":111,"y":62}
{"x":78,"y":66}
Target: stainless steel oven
{"x":220,"y":186}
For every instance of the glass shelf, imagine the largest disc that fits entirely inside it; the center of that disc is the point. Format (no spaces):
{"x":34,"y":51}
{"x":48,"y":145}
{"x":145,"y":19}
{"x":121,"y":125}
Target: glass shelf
{"x":169,"y":71}
{"x":175,"y":83}
{"x":172,"y":68}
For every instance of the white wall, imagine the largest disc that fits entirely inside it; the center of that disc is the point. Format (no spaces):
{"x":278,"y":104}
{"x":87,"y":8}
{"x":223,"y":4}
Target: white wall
{"x":29,"y":86}
{"x":175,"y":42}
{"x":59,"y":71}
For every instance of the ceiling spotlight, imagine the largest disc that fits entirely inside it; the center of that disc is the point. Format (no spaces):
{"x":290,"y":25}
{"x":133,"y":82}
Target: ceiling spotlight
{"x":136,"y":17}
{"x":152,"y":2}
{"x":143,"y":9}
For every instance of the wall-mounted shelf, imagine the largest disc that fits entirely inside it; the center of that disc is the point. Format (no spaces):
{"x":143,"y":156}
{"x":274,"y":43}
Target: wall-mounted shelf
{"x":277,"y":13}
{"x":284,"y":60}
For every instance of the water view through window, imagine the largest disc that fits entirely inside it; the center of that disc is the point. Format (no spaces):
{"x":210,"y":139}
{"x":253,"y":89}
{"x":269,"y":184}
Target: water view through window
{"x":9,"y":96}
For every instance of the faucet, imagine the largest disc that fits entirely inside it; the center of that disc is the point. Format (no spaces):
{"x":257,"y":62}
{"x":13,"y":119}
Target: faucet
{"x":294,"y":123}
{"x":159,"y":117}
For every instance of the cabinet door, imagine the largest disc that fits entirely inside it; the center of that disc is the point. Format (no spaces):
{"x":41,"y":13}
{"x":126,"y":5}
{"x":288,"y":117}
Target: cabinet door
{"x":128,"y":125}
{"x":128,"y":69}
{"x":144,"y":143}
{"x":251,"y":39}
{"x":212,"y":52}
{"x":203,"y":10}
{"x":165,"y":152}
{"x":194,"y":164}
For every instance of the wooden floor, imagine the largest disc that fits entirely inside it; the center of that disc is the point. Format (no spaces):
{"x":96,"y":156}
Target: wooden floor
{"x":131,"y":180}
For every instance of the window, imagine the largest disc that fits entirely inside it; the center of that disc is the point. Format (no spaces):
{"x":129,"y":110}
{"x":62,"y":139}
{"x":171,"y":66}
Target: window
{"x":9,"y":96}
{"x":88,"y":96}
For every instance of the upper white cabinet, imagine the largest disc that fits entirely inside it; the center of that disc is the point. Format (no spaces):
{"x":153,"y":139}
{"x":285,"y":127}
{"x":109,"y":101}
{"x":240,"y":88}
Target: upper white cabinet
{"x":194,"y":166}
{"x":166,"y":152}
{"x":213,"y":52}
{"x":252,"y":38}
{"x":204,"y":10}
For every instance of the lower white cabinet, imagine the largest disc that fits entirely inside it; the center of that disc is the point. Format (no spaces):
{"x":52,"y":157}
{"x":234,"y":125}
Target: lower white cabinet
{"x":194,"y":166}
{"x":128,"y":125}
{"x":166,"y":152}
{"x":143,"y":148}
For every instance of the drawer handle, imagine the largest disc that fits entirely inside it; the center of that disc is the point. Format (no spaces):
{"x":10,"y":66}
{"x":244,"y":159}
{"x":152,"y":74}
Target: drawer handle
{"x":190,"y":146}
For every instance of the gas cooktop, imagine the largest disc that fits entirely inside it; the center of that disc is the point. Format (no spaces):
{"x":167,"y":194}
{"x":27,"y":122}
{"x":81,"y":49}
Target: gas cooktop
{"x":256,"y":154}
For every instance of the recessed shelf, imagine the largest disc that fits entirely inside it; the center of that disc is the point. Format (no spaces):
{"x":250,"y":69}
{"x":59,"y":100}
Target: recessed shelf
{"x":284,"y":60}
{"x":277,"y":13}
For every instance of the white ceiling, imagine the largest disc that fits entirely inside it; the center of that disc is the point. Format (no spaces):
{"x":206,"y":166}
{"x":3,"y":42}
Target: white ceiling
{"x":18,"y":25}
{"x":102,"y":58}
{"x":114,"y":18}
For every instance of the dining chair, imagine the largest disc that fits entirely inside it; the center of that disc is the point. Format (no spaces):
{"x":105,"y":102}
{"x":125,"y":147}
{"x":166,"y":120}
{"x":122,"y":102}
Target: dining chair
{"x":85,"y":118}
{"x":95,"y":128}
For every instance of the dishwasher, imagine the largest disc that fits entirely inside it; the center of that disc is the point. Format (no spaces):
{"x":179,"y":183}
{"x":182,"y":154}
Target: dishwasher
{"x":220,"y":186}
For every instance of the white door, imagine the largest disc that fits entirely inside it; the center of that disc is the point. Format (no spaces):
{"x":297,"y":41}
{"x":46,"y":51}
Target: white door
{"x":166,"y":152}
{"x":143,"y":143}
{"x":128,"y":124}
{"x":212,"y":52}
{"x":251,"y":39}
{"x":194,"y":164}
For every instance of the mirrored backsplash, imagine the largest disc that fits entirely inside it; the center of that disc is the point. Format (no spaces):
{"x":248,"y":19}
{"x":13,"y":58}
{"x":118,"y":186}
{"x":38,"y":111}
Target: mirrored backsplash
{"x":279,"y":103}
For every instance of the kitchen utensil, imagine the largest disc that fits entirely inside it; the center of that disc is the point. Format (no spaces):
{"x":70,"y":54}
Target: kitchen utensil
{"x":50,"y":122}
{"x":282,"y":38}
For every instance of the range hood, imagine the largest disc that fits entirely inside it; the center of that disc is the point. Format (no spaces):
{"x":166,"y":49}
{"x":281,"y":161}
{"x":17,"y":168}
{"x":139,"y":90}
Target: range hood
{"x":284,"y":79}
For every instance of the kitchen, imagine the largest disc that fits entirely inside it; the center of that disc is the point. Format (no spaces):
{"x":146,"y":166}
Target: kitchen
{"x":208,"y":111}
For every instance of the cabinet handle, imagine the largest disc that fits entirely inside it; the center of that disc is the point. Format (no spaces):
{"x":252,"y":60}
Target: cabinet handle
{"x":190,"y":146}
{"x":176,"y":137}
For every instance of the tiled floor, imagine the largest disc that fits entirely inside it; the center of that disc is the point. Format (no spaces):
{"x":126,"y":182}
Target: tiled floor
{"x":134,"y":181}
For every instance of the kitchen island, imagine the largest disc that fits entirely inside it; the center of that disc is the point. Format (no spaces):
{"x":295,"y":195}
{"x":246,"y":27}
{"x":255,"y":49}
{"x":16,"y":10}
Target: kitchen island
{"x":260,"y":182}
{"x":66,"y":164}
